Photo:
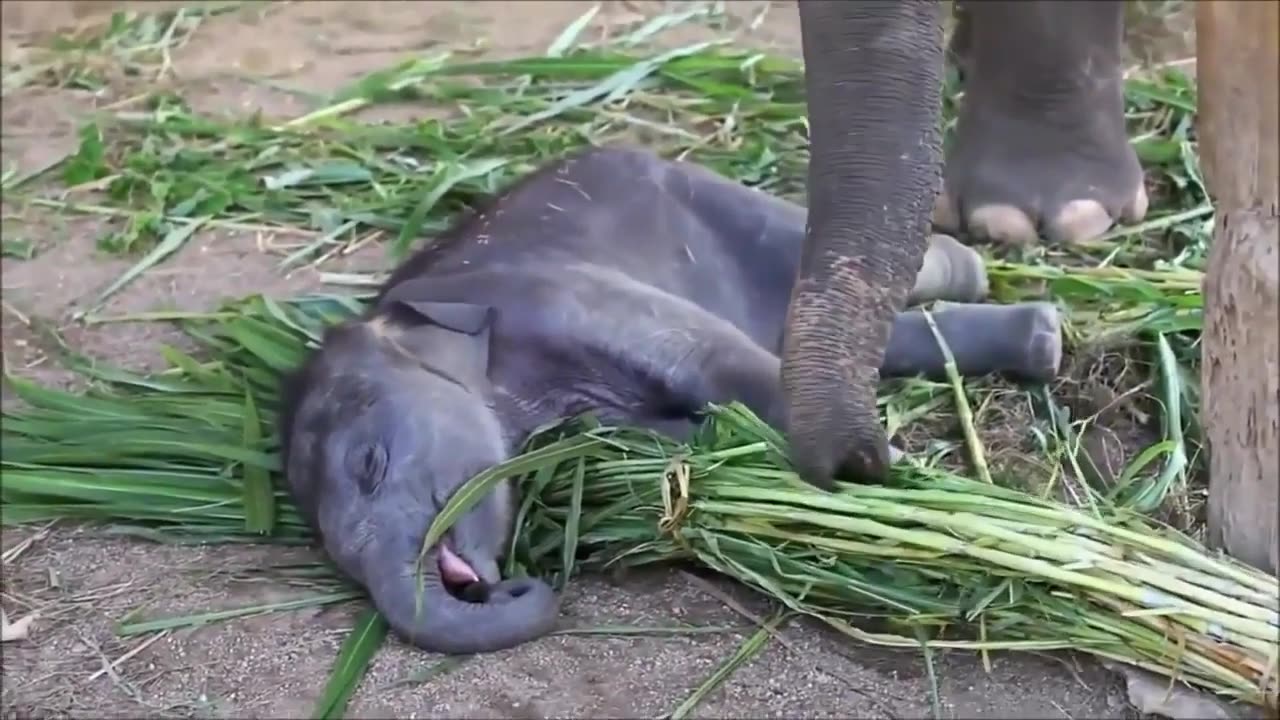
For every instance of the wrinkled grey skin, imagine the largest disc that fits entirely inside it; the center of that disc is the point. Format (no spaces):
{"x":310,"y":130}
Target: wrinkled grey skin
{"x":1041,"y":131}
{"x":611,"y":282}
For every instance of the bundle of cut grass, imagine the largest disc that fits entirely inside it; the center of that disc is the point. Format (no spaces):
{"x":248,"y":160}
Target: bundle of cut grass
{"x":189,"y":453}
{"x":964,"y":563}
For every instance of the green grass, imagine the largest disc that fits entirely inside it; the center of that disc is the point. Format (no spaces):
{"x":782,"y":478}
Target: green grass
{"x":123,"y":454}
{"x":130,"y":45}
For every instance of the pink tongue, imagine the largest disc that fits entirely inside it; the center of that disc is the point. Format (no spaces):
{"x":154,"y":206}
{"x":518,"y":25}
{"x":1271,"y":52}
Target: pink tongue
{"x":454,"y":569}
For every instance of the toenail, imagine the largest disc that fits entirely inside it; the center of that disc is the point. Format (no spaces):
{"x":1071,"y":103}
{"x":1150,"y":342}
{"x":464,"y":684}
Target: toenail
{"x":1078,"y":221}
{"x":1002,"y":223}
{"x":944,"y":213}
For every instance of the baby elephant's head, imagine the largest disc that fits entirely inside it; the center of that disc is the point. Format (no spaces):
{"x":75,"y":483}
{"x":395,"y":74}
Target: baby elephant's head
{"x":380,"y":427}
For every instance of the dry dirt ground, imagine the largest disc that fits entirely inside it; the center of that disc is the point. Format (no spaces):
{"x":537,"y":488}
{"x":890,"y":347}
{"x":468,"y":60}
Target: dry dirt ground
{"x":82,"y":582}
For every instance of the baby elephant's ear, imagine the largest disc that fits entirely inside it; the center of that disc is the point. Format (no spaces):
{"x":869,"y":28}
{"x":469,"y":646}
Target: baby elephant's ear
{"x":459,"y":317}
{"x":421,"y":297}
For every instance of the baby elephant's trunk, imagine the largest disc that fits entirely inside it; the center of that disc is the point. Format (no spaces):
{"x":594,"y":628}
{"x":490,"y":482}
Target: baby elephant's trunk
{"x":420,"y":609}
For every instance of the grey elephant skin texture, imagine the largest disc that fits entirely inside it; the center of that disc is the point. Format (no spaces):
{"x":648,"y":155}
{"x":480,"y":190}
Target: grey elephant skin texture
{"x":1040,"y":148}
{"x":611,"y":282}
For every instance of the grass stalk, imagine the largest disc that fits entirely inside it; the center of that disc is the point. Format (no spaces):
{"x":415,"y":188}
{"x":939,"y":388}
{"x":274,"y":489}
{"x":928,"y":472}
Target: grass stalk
{"x":976,"y":452}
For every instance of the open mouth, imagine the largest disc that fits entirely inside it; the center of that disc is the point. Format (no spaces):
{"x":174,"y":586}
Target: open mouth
{"x":459,"y":578}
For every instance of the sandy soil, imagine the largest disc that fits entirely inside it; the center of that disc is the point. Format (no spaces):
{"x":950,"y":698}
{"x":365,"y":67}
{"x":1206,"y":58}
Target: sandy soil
{"x":83,"y":582}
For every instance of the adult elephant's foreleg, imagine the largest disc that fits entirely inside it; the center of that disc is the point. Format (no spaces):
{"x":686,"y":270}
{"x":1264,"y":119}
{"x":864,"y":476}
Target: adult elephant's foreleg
{"x":873,"y":72}
{"x":1040,"y":146}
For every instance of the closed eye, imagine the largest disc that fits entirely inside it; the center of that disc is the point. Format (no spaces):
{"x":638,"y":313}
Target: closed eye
{"x":368,"y":464}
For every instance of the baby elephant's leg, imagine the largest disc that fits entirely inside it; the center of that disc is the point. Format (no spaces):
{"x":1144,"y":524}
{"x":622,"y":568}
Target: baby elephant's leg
{"x":677,"y":356}
{"x":1022,"y":340}
{"x":758,"y":222}
{"x":950,"y":271}
{"x":681,"y":357}
{"x":723,"y":365}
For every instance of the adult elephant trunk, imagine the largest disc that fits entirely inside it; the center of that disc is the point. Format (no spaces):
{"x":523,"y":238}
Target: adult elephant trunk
{"x":419,"y":608}
{"x":873,"y":72}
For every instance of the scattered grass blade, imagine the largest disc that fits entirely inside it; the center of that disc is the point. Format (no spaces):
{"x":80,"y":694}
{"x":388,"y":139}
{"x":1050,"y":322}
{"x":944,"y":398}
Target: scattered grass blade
{"x":349,"y":668}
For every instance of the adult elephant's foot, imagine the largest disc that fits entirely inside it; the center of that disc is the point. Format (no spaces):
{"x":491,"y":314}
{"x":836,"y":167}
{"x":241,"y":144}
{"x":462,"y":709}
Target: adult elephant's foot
{"x":1040,"y":148}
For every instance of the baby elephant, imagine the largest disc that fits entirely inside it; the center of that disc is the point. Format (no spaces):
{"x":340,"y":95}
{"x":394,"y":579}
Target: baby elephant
{"x":611,"y":282}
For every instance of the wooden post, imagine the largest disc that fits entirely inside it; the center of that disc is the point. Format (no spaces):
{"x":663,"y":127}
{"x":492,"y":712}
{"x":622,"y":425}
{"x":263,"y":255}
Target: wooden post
{"x":1238,"y":71}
